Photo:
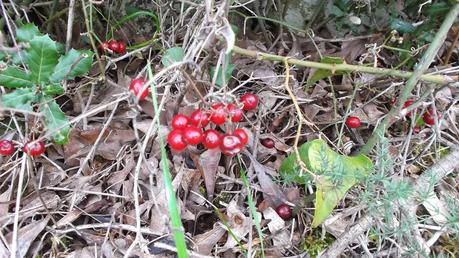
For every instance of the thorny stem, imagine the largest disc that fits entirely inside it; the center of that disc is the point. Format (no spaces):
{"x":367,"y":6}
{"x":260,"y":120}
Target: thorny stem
{"x":440,"y":79}
{"x":417,"y":75}
{"x":301,"y":120}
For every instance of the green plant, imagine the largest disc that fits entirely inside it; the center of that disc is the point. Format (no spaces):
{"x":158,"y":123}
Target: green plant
{"x":335,"y":174}
{"x":36,"y":73}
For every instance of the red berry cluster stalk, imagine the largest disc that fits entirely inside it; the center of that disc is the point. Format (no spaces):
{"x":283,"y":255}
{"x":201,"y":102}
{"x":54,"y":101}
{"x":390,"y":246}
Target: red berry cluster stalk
{"x":117,"y":46}
{"x":192,"y":130}
{"x":32,"y":148}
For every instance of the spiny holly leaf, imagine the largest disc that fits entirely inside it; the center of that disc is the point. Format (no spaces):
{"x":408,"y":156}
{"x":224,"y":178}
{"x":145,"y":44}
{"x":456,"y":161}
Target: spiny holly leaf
{"x":75,"y":63}
{"x":26,"y":32}
{"x":172,"y":55}
{"x":13,"y":77}
{"x":55,"y":120}
{"x":21,"y":98}
{"x":229,"y":68}
{"x":42,"y":57}
{"x":336,"y":174}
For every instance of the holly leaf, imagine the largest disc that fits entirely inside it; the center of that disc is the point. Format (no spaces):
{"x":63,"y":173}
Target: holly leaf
{"x":13,"y":78}
{"x":172,"y":55}
{"x":21,"y":98}
{"x":42,"y":57}
{"x":75,"y":63}
{"x":56,"y":122}
{"x":323,"y":73}
{"x":53,"y":89}
{"x":336,"y":174}
{"x":229,"y":68}
{"x":27,"y":32}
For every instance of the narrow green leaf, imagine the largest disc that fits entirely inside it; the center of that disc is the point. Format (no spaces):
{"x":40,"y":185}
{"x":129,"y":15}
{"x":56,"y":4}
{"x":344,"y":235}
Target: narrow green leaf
{"x":402,"y":26}
{"x":55,"y":120}
{"x":42,"y":57}
{"x":13,"y":77}
{"x":75,"y":63}
{"x":27,"y":32}
{"x":21,"y":98}
{"x":172,"y":55}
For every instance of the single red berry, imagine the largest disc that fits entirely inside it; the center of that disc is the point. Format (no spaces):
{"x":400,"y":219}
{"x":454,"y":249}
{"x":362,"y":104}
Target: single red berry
{"x":250,"y":101}
{"x":199,"y":118}
{"x":230,"y":145}
{"x":284,"y":211}
{"x":6,"y":147}
{"x":176,"y":140}
{"x":114,"y":45}
{"x":406,"y":105}
{"x":211,"y":139}
{"x":136,"y":86}
{"x":241,"y":134}
{"x":180,"y":122}
{"x":268,"y":143}
{"x":236,"y":114}
{"x":429,"y":118}
{"x":34,"y":148}
{"x":353,"y":122}
{"x":121,"y":47}
{"x":416,"y":130}
{"x":218,"y":114}
{"x":103,"y":46}
{"x":193,"y":135}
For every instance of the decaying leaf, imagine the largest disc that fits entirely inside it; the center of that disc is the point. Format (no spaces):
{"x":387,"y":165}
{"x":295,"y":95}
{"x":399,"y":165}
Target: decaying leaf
{"x":26,"y":235}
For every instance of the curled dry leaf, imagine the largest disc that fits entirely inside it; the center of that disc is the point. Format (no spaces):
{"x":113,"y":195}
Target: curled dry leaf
{"x":276,"y":225}
{"x":239,"y":224}
{"x":26,"y":235}
{"x":207,"y":164}
{"x":205,"y":242}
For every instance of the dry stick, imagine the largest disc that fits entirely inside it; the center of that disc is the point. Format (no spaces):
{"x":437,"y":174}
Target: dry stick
{"x":431,"y":177}
{"x":440,"y":79}
{"x":14,"y":241}
{"x":417,"y":75}
{"x":70,"y":25}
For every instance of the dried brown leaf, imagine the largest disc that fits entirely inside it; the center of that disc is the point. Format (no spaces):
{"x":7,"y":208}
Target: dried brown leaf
{"x":26,"y":235}
{"x":205,"y":242}
{"x":207,"y":164}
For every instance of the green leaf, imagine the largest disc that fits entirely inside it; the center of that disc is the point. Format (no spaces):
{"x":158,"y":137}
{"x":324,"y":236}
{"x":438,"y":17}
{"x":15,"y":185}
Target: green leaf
{"x":21,"y":98}
{"x":13,"y":77}
{"x":18,"y":57}
{"x":55,"y":120}
{"x":53,"y":89}
{"x":290,"y":170}
{"x":229,"y":68}
{"x":322,"y":73}
{"x":172,"y":55}
{"x":335,"y":174}
{"x":27,"y":32}
{"x":402,"y":26}
{"x":42,"y":57}
{"x":75,"y":63}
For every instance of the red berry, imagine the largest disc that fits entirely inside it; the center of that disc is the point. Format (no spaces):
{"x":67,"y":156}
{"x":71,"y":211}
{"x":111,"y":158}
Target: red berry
{"x":199,"y":118}
{"x":114,"y":45}
{"x":34,"y":148}
{"x":353,"y":122}
{"x":235,"y":113}
{"x":218,"y":114}
{"x":268,"y":143}
{"x":406,"y":105}
{"x":192,"y":135}
{"x":176,"y":140}
{"x":416,"y":130}
{"x":211,"y":139}
{"x":230,"y":145}
{"x":250,"y":101}
{"x":121,"y":47}
{"x":429,"y":118}
{"x":241,"y":134}
{"x":6,"y":147}
{"x":103,"y":46}
{"x":180,"y":122}
{"x":284,"y":211}
{"x":136,"y":86}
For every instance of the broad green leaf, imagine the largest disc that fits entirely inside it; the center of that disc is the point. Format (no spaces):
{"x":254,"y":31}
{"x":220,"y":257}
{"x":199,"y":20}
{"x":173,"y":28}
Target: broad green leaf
{"x":336,"y":174}
{"x":13,"y":77}
{"x":55,"y":120}
{"x":21,"y":98}
{"x":27,"y":32}
{"x":75,"y":63}
{"x":53,"y":89}
{"x":3,"y":55}
{"x":290,"y":170}
{"x":18,"y":57}
{"x":229,"y":68}
{"x":42,"y":57}
{"x":322,"y":73}
{"x":172,"y":55}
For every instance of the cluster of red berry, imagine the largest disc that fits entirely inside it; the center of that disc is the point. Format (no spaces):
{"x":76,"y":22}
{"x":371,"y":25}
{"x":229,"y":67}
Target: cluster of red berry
{"x":427,"y":117}
{"x":188,"y":130}
{"x":117,"y":46}
{"x":33,"y":148}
